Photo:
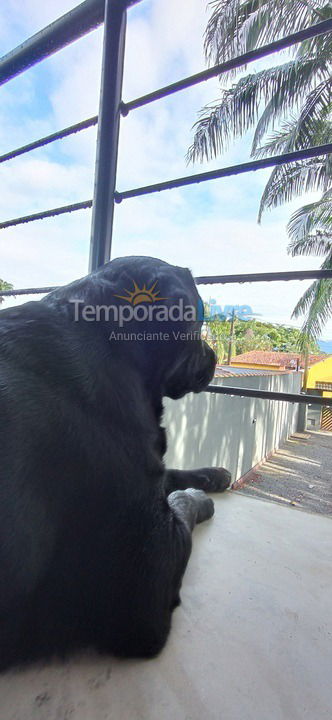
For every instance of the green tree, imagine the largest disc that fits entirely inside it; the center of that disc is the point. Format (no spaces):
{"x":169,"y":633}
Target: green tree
{"x":257,"y":335}
{"x":289,"y":107}
{"x":4,"y":286}
{"x":217,"y":333}
{"x":253,"y":335}
{"x":218,"y":339}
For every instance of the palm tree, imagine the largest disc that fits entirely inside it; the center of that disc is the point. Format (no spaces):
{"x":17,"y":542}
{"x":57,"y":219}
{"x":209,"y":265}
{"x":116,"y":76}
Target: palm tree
{"x":289,"y":106}
{"x":310,"y":232}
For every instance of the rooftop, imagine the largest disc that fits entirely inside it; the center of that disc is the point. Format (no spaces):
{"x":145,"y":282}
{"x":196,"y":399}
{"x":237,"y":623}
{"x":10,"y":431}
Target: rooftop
{"x":230,"y":371}
{"x":279,"y":359}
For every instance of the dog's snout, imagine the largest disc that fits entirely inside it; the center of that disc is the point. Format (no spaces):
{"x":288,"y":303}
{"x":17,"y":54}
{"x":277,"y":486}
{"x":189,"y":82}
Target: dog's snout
{"x":210,"y":356}
{"x":207,"y":366}
{"x":207,"y":350}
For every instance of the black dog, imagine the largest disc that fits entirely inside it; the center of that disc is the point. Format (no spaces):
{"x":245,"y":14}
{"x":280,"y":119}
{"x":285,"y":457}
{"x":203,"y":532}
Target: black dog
{"x":95,"y":534}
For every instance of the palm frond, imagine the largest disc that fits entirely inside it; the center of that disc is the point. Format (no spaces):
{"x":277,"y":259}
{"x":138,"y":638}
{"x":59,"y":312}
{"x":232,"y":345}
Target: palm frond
{"x":237,"y":26}
{"x":239,"y":107}
{"x":317,"y":303}
{"x":320,"y":43}
{"x":311,"y":127}
{"x":294,"y":179}
{"x":318,"y":243}
{"x":266,"y":120}
{"x":224,"y":15}
{"x":315,"y":217}
{"x":281,"y":141}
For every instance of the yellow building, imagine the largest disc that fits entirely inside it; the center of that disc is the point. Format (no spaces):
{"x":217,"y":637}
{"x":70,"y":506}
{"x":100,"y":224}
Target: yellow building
{"x":320,"y":376}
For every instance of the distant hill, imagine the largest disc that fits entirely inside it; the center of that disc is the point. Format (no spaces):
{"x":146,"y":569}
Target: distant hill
{"x":325,"y":345}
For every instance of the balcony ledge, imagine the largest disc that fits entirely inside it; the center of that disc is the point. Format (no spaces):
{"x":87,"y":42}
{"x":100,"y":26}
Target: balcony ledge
{"x":252,"y":639}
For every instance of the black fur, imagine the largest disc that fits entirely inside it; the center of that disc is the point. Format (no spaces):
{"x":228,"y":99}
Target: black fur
{"x":93,"y":547}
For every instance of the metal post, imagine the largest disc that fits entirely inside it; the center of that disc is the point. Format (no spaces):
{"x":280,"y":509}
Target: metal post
{"x":231,"y":339}
{"x":302,"y":418}
{"x":306,"y":369}
{"x":303,"y":409}
{"x":108,"y":132}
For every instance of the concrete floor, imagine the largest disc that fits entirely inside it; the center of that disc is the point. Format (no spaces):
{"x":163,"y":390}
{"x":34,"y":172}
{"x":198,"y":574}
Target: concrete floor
{"x":298,"y":473}
{"x":251,"y":641}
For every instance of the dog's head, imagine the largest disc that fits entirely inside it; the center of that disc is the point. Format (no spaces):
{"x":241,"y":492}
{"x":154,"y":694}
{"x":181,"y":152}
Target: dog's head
{"x":152,"y":314}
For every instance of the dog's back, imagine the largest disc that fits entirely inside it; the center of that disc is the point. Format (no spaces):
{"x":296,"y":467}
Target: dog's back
{"x":70,"y":432}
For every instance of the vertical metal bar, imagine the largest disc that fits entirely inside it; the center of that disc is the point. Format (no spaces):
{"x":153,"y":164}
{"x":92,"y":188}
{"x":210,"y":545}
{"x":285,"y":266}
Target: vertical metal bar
{"x":108,"y":132}
{"x":231,"y":339}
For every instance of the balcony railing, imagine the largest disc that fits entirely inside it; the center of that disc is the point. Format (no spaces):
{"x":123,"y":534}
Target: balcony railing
{"x":74,"y":25}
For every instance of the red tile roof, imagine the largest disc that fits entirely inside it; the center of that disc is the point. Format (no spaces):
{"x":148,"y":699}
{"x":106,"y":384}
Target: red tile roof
{"x":279,"y":359}
{"x":231,"y":371}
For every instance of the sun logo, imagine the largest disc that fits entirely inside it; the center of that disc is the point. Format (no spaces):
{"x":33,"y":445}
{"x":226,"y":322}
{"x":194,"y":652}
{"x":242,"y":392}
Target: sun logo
{"x":142,"y":295}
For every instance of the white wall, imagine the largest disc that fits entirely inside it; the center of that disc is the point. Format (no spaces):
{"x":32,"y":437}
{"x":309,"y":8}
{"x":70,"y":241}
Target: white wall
{"x":233,"y":432}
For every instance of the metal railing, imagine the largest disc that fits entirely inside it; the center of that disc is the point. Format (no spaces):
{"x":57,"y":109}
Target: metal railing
{"x":74,"y":25}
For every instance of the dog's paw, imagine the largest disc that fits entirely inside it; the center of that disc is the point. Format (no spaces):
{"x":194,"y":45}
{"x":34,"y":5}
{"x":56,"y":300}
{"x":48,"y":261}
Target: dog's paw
{"x":204,"y":504}
{"x":216,"y":479}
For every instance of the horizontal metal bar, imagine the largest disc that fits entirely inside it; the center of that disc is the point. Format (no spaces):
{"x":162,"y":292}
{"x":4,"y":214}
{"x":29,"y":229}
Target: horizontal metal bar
{"x":226,"y":172}
{"x":70,"y":130}
{"x":245,"y":59}
{"x":77,"y":22}
{"x":269,"y":395}
{"x":213,"y":279}
{"x":46,"y":213}
{"x":218,"y":69}
{"x":263,"y":277}
{"x":28,"y":291}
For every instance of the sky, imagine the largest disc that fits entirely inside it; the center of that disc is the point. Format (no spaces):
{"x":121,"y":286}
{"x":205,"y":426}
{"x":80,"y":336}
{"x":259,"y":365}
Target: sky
{"x":210,"y":228}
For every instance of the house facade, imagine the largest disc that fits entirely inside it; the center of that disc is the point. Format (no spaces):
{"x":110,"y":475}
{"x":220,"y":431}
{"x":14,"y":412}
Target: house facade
{"x":319,"y":381}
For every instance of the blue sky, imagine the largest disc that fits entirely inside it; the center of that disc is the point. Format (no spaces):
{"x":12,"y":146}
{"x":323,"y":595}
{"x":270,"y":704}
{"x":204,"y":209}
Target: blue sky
{"x":211,"y":228}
